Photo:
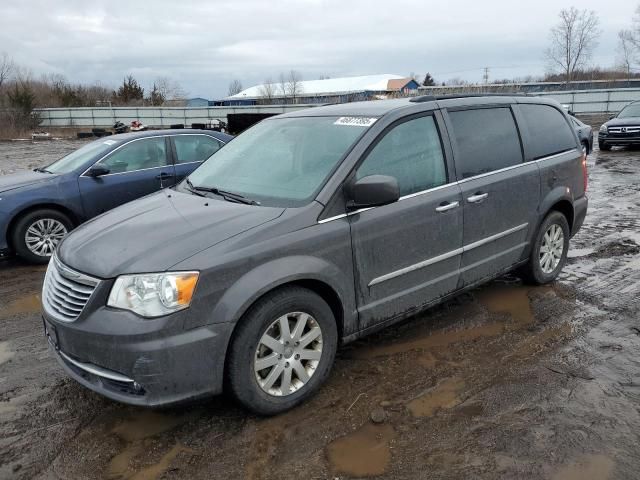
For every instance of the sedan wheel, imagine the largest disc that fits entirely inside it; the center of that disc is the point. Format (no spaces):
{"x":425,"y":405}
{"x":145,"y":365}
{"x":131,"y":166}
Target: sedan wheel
{"x":37,"y":234}
{"x":44,"y":235}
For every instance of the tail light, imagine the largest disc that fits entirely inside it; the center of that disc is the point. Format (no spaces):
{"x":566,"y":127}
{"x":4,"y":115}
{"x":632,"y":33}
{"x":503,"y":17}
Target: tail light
{"x":585,"y":174}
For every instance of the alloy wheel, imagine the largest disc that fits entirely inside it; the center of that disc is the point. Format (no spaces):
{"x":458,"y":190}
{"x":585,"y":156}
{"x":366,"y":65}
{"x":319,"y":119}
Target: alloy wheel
{"x":288,"y":354}
{"x":43,"y":236}
{"x":551,"y":248}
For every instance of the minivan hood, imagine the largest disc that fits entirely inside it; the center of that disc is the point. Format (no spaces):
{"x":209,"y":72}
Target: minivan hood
{"x":155,"y":232}
{"x":23,"y":179}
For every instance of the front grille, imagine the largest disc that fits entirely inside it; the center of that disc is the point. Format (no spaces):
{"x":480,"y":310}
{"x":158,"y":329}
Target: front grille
{"x":630,"y":130}
{"x":66,"y":292}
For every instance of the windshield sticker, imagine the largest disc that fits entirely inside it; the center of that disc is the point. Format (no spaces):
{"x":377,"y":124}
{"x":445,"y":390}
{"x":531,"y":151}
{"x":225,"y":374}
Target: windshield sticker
{"x":355,"y":121}
{"x":109,"y":142}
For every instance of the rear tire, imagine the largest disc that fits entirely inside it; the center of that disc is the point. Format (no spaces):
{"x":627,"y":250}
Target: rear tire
{"x":36,"y":234}
{"x":549,"y":251}
{"x":292,"y":371}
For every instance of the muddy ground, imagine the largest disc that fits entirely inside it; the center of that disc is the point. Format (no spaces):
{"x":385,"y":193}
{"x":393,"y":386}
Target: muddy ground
{"x":506,"y":381}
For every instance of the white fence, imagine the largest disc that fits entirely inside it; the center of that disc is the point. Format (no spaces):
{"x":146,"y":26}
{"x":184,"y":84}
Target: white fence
{"x":595,"y":101}
{"x":150,"y":116}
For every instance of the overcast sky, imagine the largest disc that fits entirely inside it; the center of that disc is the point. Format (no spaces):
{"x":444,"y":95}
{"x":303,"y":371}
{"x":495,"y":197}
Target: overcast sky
{"x":205,"y":44}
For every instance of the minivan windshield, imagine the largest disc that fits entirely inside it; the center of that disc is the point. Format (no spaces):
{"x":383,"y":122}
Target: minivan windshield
{"x":629,"y":111}
{"x":281,"y":161}
{"x":79,"y":157}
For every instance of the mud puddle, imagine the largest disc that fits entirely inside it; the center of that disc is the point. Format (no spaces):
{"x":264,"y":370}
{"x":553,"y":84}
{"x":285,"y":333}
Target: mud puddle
{"x":5,"y":352}
{"x":137,"y":432}
{"x":363,"y":453}
{"x":445,"y":395}
{"x":29,"y":304}
{"x":589,"y":467}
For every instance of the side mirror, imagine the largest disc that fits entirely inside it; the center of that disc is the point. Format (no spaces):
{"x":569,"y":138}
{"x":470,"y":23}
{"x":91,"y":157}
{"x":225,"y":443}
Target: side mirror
{"x":372,"y":191}
{"x":612,"y":116}
{"x":98,"y":170}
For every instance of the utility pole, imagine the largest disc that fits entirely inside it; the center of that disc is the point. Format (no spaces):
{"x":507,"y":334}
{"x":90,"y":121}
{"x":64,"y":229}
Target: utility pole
{"x":485,"y":77}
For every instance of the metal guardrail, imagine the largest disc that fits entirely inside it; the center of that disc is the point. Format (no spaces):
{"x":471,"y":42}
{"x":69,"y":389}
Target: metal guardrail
{"x":580,"y":101}
{"x":150,"y":116}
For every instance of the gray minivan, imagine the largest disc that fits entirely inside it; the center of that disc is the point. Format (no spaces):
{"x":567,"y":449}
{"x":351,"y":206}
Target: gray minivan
{"x":307,"y":231}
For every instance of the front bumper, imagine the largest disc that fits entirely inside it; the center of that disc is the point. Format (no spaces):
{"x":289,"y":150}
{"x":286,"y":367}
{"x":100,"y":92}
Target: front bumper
{"x":125,"y":358}
{"x":618,"y":140}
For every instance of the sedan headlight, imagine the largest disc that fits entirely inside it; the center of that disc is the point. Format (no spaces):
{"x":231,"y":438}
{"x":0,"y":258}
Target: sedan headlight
{"x":153,"y":294}
{"x":603,"y":129}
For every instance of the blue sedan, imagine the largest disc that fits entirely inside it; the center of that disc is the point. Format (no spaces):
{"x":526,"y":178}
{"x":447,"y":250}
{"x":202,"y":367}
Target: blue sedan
{"x":38,"y":208}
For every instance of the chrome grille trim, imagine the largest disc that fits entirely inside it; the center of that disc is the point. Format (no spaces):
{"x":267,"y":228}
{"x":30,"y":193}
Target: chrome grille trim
{"x":66,"y":292}
{"x":625,"y":129}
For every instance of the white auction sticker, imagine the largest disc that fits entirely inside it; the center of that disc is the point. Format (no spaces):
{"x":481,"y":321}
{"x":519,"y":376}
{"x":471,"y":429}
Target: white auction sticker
{"x":355,"y":121}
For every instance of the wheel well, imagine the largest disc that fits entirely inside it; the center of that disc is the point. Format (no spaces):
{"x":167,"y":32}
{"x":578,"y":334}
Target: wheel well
{"x":565,"y":208}
{"x":586,"y":144}
{"x":42,"y":206}
{"x":329,"y":295}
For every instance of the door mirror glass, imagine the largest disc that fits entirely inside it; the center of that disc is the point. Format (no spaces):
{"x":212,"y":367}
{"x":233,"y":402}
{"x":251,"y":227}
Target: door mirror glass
{"x":373,"y":191}
{"x":98,"y":170}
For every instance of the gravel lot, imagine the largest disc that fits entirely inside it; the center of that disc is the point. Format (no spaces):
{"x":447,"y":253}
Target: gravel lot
{"x":506,"y":381}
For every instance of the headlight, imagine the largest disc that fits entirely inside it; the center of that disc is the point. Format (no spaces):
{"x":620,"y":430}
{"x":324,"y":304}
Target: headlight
{"x":153,"y":294}
{"x":603,"y":129}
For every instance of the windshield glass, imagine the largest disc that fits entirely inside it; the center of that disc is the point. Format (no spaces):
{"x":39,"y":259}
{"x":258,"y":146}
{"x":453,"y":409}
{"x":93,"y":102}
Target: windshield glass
{"x":283,"y":161}
{"x":79,"y":157}
{"x":630,"y":111}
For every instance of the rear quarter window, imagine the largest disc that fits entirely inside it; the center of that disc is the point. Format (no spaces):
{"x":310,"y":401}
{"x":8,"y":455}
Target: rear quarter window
{"x":549,"y":132}
{"x":487,"y":140}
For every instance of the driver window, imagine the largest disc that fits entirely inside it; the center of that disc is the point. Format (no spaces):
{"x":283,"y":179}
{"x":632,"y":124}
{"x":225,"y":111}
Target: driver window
{"x":411,"y":153}
{"x":137,"y":155}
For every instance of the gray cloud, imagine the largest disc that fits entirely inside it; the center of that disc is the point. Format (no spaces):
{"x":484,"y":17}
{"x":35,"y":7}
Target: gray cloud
{"x":204,"y":45}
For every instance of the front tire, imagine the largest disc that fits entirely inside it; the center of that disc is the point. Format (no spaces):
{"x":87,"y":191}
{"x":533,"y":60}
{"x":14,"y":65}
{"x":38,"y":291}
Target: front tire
{"x":37,"y":234}
{"x":604,"y":147}
{"x":282,"y":351}
{"x":549,"y":251}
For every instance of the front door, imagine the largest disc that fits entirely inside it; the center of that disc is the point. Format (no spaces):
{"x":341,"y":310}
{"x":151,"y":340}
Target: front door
{"x":137,"y":168}
{"x":500,"y":192}
{"x":407,"y":254}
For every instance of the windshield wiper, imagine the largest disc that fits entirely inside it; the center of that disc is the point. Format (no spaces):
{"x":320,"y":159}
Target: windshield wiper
{"x":229,"y":196}
{"x":193,"y":189}
{"x":42,"y":170}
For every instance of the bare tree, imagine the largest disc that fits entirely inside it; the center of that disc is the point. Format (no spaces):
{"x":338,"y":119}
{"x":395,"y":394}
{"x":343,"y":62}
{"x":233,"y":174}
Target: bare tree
{"x":169,"y":89}
{"x":235,"y":87}
{"x":294,"y":85}
{"x":626,"y":50}
{"x":268,"y":91}
{"x":573,"y":40}
{"x":282,"y":86}
{"x":6,"y":67}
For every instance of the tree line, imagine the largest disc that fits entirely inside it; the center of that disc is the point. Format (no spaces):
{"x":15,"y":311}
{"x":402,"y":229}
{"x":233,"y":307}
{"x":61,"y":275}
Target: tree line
{"x":21,"y":93}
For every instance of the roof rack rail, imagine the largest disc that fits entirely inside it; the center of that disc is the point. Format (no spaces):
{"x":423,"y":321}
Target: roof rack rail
{"x":431,"y":98}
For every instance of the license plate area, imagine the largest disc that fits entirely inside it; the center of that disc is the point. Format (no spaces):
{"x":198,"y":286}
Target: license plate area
{"x":51,"y":334}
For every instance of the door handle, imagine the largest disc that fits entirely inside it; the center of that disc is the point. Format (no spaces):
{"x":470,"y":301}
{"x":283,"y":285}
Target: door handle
{"x":478,"y":197}
{"x":447,"y":206}
{"x":164,"y":175}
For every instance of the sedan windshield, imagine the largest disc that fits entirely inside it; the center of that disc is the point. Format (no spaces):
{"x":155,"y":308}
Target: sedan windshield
{"x":80,"y":157}
{"x":281,"y":161}
{"x":630,"y":111}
